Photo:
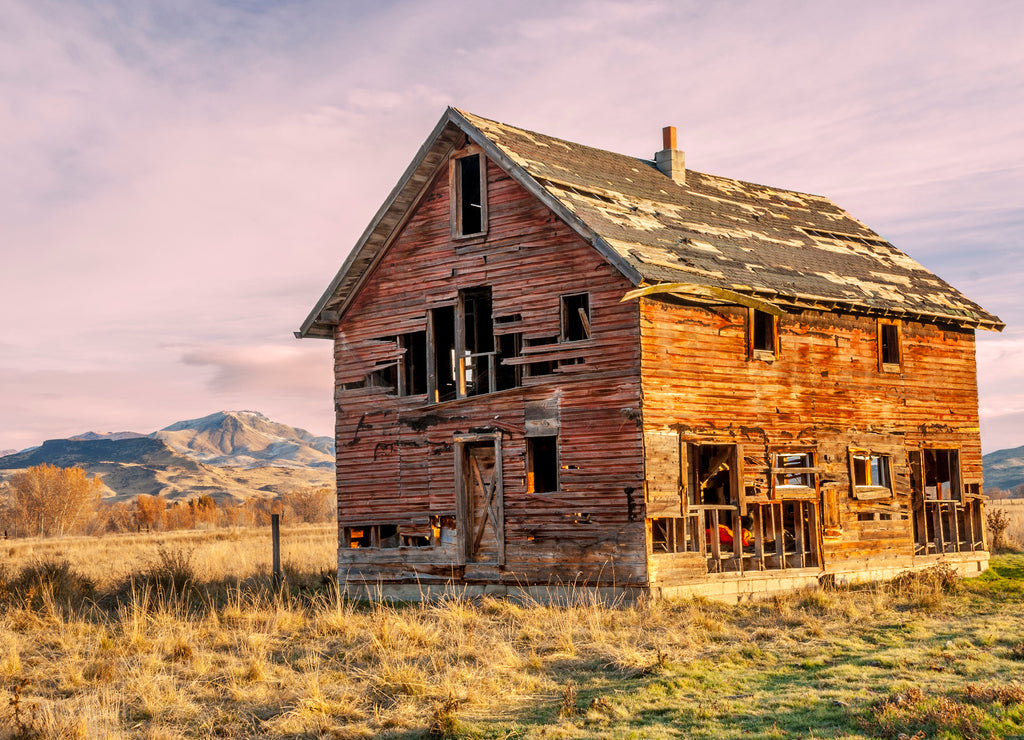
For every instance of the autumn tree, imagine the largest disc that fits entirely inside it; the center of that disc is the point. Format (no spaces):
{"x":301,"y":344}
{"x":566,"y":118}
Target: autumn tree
{"x":150,"y":511}
{"x":50,"y":502}
{"x":309,"y":504}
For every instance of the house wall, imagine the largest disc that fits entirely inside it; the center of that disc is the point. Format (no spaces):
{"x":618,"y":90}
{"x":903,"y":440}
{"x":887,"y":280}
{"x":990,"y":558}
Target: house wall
{"x":396,"y":462}
{"x":824,"y":390}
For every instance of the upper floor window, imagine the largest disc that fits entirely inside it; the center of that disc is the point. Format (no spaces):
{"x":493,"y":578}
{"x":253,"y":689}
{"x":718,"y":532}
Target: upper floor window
{"x":575,"y":317}
{"x":870,"y":474}
{"x":793,"y":470}
{"x":469,"y":195}
{"x":890,"y":358}
{"x":762,"y":335}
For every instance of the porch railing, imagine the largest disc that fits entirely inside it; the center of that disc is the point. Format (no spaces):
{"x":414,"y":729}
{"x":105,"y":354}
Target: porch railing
{"x":948,"y":525}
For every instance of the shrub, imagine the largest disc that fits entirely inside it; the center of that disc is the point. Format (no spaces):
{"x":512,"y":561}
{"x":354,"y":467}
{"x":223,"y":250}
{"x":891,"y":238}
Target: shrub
{"x":997,"y":520}
{"x":50,"y":578}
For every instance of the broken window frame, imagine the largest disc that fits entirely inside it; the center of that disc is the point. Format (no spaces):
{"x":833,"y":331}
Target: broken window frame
{"x":574,"y":328}
{"x":781,"y":470}
{"x":875,"y":469}
{"x":553,"y":465}
{"x":469,"y":354}
{"x":955,"y":490}
{"x":391,"y":536}
{"x":457,"y":174}
{"x":766,"y":347}
{"x":889,"y":336}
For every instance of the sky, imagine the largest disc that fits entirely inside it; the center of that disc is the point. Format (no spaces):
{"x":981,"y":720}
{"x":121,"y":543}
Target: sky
{"x":182,"y":180}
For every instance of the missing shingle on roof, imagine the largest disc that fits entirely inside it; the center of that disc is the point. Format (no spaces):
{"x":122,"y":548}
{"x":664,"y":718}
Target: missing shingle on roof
{"x":845,"y":237}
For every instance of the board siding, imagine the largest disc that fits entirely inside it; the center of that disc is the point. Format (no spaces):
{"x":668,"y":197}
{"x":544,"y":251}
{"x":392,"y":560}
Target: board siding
{"x":395,"y":454}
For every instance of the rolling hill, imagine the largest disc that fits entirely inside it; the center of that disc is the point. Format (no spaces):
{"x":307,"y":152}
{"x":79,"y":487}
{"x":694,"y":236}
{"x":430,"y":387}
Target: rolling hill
{"x":1004,"y":468}
{"x":229,"y":454}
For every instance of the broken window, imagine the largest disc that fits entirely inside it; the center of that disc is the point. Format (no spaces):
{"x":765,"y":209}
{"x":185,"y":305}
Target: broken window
{"x":541,"y":464}
{"x":575,"y":317}
{"x":441,"y":326}
{"x":413,"y":375}
{"x":762,"y":335}
{"x":356,"y":537}
{"x":870,"y":474}
{"x":889,"y":355}
{"x":941,"y":475}
{"x":508,"y":376}
{"x":384,"y":377}
{"x":476,"y":364}
{"x":469,"y":199}
{"x":793,"y":470}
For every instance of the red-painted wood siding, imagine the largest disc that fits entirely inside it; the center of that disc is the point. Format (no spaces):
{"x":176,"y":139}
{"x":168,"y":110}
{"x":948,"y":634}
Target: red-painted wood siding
{"x":395,"y":458}
{"x":825,"y":389}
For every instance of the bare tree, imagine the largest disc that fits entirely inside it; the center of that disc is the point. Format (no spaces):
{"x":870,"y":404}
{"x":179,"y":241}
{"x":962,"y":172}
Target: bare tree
{"x":51,"y":501}
{"x":309,"y":504}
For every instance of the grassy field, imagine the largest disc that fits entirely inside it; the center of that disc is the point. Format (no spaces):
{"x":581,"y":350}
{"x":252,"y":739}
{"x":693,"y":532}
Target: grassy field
{"x":181,"y":635}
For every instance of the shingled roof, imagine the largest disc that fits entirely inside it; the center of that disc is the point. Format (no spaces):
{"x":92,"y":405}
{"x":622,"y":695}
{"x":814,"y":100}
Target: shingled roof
{"x":778,"y":246}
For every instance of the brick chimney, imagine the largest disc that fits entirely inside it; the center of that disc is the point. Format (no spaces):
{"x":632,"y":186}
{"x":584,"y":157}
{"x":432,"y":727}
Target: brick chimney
{"x":670,"y":160}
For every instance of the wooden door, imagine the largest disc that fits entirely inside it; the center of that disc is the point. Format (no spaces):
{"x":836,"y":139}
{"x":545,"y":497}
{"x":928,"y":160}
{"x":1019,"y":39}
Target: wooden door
{"x":481,"y":504}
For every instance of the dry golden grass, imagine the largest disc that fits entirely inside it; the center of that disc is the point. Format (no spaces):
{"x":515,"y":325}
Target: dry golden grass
{"x":226,"y":656}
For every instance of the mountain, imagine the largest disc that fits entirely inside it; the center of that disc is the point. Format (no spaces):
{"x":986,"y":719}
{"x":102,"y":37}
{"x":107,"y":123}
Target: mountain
{"x":247,"y":439}
{"x":1004,"y":468}
{"x":229,"y":454}
{"x":93,"y":436}
{"x":5,"y":453}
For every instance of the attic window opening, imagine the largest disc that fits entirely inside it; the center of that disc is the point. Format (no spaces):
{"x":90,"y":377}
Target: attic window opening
{"x":541,"y":464}
{"x":762,"y":335}
{"x":575,"y":317}
{"x":470,"y":190}
{"x":890,"y":358}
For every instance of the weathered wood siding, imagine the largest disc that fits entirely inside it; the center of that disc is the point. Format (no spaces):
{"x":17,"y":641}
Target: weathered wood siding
{"x":824,"y":389}
{"x":395,"y":454}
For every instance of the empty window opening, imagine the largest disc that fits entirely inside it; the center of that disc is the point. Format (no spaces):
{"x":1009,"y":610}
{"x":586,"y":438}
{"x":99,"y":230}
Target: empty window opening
{"x":476,"y":366}
{"x":442,"y":336}
{"x":713,"y":467}
{"x":541,"y":464}
{"x":508,"y":347}
{"x":470,"y":216}
{"x":384,"y":377}
{"x":889,"y":345}
{"x":414,"y":364}
{"x":575,"y":317}
{"x":794,"y":470}
{"x":357,"y":537}
{"x":763,"y":334}
{"x":870,"y":472}
{"x":941,"y":475}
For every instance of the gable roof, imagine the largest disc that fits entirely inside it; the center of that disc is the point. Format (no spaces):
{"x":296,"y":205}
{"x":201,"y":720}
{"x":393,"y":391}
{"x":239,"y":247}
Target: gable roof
{"x":778,"y":246}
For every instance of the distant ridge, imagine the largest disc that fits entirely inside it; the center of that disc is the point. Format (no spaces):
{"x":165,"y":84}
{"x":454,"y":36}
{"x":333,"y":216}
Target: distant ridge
{"x":1004,"y":468}
{"x":228,"y":454}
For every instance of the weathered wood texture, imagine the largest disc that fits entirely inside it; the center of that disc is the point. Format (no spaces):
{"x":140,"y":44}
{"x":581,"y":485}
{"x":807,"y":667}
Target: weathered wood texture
{"x":395,"y":454}
{"x":824,"y":390}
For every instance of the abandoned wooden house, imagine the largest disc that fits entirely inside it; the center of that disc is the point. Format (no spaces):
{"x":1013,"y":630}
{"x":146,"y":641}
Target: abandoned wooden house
{"x":558,"y":366}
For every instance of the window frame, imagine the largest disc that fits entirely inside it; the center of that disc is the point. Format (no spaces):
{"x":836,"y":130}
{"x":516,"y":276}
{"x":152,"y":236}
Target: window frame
{"x":563,"y":310}
{"x":455,"y":177}
{"x":871,"y":490}
{"x":530,"y":464}
{"x":810,"y":471}
{"x":759,"y":353}
{"x":885,"y":365}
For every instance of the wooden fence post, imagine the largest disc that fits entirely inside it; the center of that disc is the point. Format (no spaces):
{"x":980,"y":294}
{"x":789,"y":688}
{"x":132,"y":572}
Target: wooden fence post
{"x":275,"y":530}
